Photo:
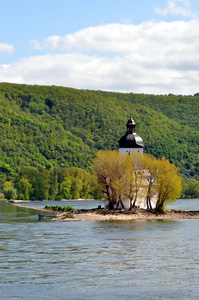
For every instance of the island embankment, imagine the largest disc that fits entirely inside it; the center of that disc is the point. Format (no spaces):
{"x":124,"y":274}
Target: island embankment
{"x":125,"y":215}
{"x":120,"y":215}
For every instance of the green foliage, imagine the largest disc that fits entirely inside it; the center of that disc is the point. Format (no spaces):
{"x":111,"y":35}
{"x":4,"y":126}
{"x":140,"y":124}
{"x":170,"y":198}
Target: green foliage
{"x":7,"y":185}
{"x":190,"y":188}
{"x":69,"y":216}
{"x":24,"y":189}
{"x":10,"y":193}
{"x":76,"y":183}
{"x":53,"y":184}
{"x":65,"y":189}
{"x":57,"y":127}
{"x":39,"y":180}
{"x":58,"y":183}
{"x":169,"y":184}
{"x":76,"y":188}
{"x":6,"y":173}
{"x":59,"y":208}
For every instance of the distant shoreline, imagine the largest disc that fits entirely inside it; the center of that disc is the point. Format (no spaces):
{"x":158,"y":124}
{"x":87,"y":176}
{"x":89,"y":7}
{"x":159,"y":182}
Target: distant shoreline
{"x":64,"y":200}
{"x":117,"y":215}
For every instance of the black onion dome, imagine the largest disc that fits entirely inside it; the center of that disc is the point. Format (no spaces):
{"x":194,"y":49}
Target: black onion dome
{"x":131,"y":139}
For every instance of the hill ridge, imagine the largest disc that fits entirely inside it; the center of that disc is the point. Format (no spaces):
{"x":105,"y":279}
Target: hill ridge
{"x":58,"y":126}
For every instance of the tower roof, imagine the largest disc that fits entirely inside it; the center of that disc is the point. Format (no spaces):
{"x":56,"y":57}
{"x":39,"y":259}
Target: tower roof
{"x":131,"y":139}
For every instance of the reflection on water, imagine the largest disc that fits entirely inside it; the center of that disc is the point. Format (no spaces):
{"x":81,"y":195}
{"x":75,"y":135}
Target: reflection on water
{"x":97,"y":260}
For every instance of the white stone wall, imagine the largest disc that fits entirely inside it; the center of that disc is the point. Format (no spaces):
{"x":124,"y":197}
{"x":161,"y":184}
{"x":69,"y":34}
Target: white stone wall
{"x":140,"y":203}
{"x":128,"y":150}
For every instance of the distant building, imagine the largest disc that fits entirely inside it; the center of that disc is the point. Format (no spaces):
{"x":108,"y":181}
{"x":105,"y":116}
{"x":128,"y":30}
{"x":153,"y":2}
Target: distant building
{"x":131,"y":141}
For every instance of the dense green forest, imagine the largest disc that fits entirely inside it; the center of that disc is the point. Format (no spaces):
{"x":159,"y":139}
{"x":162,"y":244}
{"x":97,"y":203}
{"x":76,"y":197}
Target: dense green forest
{"x":50,"y":126}
{"x":57,"y":183}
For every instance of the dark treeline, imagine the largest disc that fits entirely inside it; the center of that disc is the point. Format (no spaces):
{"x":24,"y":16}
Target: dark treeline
{"x":49,"y":127}
{"x":190,"y":188}
{"x":58,"y":183}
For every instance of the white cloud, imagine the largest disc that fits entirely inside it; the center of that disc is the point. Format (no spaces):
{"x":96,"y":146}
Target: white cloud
{"x":153,"y":57}
{"x":8,"y":48}
{"x":51,"y":42}
{"x":176,"y":7}
{"x":122,"y":38}
{"x":126,"y":21}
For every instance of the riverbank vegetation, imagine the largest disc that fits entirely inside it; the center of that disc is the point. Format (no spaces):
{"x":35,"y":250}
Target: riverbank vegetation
{"x":48,"y":128}
{"x":59,"y":208}
{"x":190,"y":188}
{"x":58,"y":183}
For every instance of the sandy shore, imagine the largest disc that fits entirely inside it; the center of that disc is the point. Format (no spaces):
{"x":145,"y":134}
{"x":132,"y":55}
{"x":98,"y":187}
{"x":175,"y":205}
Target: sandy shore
{"x":94,"y":216}
{"x":127,"y":216}
{"x":124,"y":215}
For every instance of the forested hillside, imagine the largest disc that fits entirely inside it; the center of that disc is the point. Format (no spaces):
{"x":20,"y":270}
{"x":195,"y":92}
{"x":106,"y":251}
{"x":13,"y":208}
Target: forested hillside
{"x":55,"y":126}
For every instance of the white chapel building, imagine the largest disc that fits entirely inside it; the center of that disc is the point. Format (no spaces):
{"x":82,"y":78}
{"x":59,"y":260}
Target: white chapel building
{"x":131,"y":142}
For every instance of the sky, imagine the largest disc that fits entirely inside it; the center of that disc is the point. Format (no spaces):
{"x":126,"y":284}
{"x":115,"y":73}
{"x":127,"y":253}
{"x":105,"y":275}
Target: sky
{"x":143,"y":46}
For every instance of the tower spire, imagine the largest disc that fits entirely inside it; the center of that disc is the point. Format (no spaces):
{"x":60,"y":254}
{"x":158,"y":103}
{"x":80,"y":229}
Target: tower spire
{"x":130,"y":125}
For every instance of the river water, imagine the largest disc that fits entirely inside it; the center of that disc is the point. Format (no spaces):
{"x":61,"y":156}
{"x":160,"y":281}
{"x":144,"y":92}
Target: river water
{"x":148,"y":259}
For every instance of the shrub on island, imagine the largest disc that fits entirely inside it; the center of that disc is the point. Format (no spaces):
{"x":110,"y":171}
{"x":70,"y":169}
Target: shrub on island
{"x":59,"y":208}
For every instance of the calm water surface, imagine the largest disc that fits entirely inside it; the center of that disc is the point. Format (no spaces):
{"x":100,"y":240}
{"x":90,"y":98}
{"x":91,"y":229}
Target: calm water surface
{"x":80,"y":204}
{"x":98,"y":260}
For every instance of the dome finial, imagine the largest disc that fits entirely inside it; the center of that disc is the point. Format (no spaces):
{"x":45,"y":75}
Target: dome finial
{"x":130,"y":120}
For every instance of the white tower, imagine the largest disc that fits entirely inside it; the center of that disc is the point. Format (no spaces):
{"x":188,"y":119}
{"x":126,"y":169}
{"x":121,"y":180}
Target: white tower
{"x":130,"y":141}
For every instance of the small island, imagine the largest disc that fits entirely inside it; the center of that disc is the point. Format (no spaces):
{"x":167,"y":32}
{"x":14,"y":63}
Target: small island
{"x":67,"y":214}
{"x":125,"y":215}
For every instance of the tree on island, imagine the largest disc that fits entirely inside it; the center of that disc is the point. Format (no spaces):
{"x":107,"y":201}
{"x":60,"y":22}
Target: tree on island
{"x":108,"y":170}
{"x":168,"y":183}
{"x":151,"y":165}
{"x":132,"y":176}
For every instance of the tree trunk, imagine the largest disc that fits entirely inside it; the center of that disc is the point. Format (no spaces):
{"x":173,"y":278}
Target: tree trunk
{"x":148,"y":198}
{"x":120,"y":202}
{"x":159,"y":205}
{"x":130,"y":204}
{"x":135,"y":199}
{"x":148,"y":202}
{"x":109,"y":198}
